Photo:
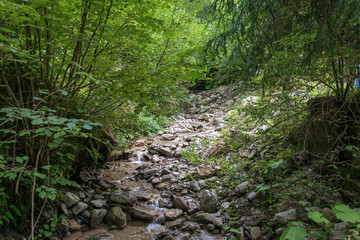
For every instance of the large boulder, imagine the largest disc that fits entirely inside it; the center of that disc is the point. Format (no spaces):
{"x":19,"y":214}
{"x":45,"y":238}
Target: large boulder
{"x":115,"y":217}
{"x":70,"y":199}
{"x":96,"y":216}
{"x":285,"y":217}
{"x":124,"y":197}
{"x":208,"y":201}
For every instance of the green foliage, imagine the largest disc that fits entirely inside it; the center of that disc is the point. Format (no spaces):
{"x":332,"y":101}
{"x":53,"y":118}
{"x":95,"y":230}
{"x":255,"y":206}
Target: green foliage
{"x":346,"y":214}
{"x":286,"y":43}
{"x":317,"y":217}
{"x":295,"y":231}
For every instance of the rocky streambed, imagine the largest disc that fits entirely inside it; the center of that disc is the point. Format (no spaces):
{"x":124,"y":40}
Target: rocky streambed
{"x":150,"y":191}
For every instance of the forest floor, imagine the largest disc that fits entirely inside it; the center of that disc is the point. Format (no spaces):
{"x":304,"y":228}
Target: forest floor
{"x":183,"y":183}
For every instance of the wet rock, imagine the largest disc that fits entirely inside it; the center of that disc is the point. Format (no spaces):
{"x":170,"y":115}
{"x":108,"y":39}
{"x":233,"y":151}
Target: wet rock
{"x":155,"y":159}
{"x":252,"y":196}
{"x":165,"y":203}
{"x":143,"y":195}
{"x":96,"y":216}
{"x":123,"y":197}
{"x":151,"y":172}
{"x":166,"y":194}
{"x":79,"y":208}
{"x":242,"y":187}
{"x":143,"y":213}
{"x":180,"y":203}
{"x":98,"y":203}
{"x":73,"y":225}
{"x":168,"y":137}
{"x":175,"y":224}
{"x":71,"y":199}
{"x":208,"y":201}
{"x":173,"y":214}
{"x":206,"y":218}
{"x":285,"y":217}
{"x":165,"y":151}
{"x":194,"y":186}
{"x":115,"y":217}
{"x":255,"y":233}
{"x":216,"y":149}
{"x":206,"y":172}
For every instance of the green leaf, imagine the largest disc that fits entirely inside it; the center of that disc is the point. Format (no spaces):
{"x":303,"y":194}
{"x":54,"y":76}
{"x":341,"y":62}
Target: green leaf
{"x":346,"y":214}
{"x":317,"y":217}
{"x":88,"y":127}
{"x":71,"y":124}
{"x":47,"y":167}
{"x":65,"y":93}
{"x":42,"y":194}
{"x":294,"y":233}
{"x":40,"y":175}
{"x":37,"y":121}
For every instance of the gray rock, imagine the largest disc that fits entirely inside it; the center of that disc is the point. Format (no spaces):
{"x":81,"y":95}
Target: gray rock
{"x":194,"y":186}
{"x":285,"y":217}
{"x":341,"y":227}
{"x":96,"y":216}
{"x":121,"y":197}
{"x":210,"y":227}
{"x":166,"y":194}
{"x":180,"y":203}
{"x":165,"y":203}
{"x":115,"y":217}
{"x":156,"y":180}
{"x":206,"y":172}
{"x":178,"y":151}
{"x":70,"y":199}
{"x":329,"y":214}
{"x":206,"y":218}
{"x":98,"y":203}
{"x":312,"y":209}
{"x":64,"y":209}
{"x":168,"y":137}
{"x":79,"y":208}
{"x":208,"y":201}
{"x":86,"y":214}
{"x":193,"y":208}
{"x":173,"y":214}
{"x":143,"y":213}
{"x":73,"y":225}
{"x":175,"y":224}
{"x":151,"y":172}
{"x":337,"y":235}
{"x":242,"y":187}
{"x":165,"y":151}
{"x":255,"y":233}
{"x":252,"y":196}
{"x":167,"y":177}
